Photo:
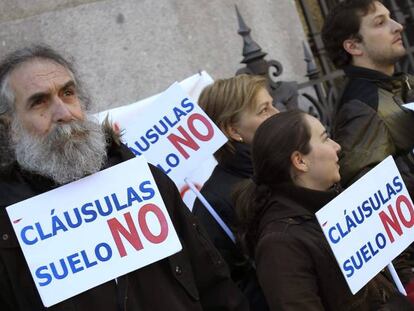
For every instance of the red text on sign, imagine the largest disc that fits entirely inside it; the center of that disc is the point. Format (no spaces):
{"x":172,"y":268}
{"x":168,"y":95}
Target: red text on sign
{"x":396,"y":217}
{"x":130,"y":233}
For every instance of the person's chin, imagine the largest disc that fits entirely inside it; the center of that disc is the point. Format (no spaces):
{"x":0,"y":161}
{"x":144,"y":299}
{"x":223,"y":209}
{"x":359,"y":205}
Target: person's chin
{"x":401,"y":51}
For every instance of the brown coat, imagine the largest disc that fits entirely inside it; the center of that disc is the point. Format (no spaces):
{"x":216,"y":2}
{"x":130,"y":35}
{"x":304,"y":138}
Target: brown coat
{"x":295,"y":265}
{"x":194,"y":279}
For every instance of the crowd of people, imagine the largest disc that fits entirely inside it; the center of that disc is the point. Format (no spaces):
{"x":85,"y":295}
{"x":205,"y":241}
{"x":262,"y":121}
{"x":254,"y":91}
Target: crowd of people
{"x":274,"y":173}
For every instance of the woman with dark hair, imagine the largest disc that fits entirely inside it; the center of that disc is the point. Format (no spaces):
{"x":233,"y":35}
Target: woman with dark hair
{"x":237,"y":105}
{"x":295,"y":171}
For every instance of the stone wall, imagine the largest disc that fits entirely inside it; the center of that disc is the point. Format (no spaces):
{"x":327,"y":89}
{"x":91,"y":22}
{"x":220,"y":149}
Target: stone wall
{"x":127,"y":50}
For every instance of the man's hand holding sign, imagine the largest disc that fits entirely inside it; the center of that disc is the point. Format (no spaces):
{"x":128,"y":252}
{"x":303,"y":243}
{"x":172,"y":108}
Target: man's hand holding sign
{"x":369,"y":224}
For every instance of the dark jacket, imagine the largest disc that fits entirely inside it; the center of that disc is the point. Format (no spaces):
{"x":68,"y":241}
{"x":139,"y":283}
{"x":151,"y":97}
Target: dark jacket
{"x":196,"y":278}
{"x":370,"y":124}
{"x":295,"y":265}
{"x":218,"y":190}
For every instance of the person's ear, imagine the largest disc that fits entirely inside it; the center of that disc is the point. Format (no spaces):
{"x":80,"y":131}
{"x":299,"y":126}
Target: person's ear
{"x":231,"y":131}
{"x":353,"y":47}
{"x":298,"y":162}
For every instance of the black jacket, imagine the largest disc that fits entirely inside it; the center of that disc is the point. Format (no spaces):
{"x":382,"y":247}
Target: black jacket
{"x":295,"y":265}
{"x":218,"y":191}
{"x":196,"y":278}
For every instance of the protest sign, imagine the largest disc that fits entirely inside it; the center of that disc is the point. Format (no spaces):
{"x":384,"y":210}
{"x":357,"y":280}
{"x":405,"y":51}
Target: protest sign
{"x":116,"y":223}
{"x":173,"y":133}
{"x":369,"y":224}
{"x":192,"y":86}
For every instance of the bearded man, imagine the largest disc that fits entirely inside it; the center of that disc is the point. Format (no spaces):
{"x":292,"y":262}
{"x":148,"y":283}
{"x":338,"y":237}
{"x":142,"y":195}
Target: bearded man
{"x":55,"y":141}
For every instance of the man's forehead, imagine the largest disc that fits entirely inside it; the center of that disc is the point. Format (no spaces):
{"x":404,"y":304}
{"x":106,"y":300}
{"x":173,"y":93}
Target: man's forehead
{"x":39,"y":73}
{"x":376,"y":9}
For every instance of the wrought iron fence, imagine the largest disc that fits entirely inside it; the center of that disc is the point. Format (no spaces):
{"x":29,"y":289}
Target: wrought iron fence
{"x":319,"y":91}
{"x":324,"y":80}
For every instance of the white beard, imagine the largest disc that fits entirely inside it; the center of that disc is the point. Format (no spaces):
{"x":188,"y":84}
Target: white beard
{"x":68,"y":152}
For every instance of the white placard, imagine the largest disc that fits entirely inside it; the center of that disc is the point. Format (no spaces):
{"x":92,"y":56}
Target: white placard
{"x":369,"y":224}
{"x":409,"y":106}
{"x":173,"y":133}
{"x":93,"y":230}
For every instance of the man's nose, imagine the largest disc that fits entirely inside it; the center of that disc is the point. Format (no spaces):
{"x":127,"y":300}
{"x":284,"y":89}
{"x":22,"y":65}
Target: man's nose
{"x":61,"y":112}
{"x":397,"y":26}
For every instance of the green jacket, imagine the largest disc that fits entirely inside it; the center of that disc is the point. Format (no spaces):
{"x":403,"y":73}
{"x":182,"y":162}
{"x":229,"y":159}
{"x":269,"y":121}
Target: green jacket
{"x":371,"y":124}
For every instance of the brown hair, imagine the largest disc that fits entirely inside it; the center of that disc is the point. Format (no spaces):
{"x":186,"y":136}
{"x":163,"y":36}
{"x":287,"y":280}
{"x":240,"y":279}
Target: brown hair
{"x":343,"y":22}
{"x":226,"y":99}
{"x":274,"y":142}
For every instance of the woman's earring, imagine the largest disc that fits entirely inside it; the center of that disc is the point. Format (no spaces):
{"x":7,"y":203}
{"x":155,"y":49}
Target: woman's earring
{"x":241,"y":139}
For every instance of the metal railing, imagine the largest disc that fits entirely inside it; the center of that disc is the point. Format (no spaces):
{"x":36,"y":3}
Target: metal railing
{"x":319,"y":91}
{"x":322,"y":89}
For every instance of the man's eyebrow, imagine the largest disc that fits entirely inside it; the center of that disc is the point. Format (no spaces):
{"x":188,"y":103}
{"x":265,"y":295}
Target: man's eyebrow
{"x":36,"y":96}
{"x":382,"y":15}
{"x":70,"y":83}
{"x":39,"y":95}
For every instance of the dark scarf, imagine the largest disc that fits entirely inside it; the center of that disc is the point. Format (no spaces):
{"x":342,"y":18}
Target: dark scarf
{"x":295,"y":201}
{"x":239,"y":163}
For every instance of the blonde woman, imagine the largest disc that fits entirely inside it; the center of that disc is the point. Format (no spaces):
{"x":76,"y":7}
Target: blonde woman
{"x":238,"y":106}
